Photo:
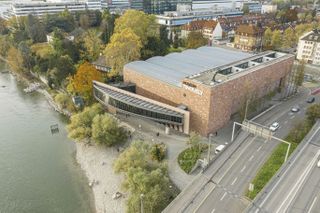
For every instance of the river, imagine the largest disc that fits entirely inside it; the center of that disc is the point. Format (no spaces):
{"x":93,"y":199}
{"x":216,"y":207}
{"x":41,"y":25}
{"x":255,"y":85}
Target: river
{"x":38,"y":171}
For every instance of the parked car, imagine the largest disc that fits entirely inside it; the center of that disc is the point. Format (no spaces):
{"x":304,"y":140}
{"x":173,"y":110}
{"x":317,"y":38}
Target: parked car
{"x":318,"y":164}
{"x":295,"y":109}
{"x":311,"y":100}
{"x":274,"y":126}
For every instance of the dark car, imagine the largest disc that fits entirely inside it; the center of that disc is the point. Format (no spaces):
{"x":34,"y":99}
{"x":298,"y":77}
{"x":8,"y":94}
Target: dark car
{"x":311,"y":100}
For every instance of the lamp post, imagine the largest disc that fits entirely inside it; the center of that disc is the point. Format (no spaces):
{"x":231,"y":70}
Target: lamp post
{"x":141,"y":203}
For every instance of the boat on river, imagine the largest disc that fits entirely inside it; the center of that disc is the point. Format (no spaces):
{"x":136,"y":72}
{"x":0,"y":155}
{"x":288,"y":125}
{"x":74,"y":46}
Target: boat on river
{"x":32,"y":87}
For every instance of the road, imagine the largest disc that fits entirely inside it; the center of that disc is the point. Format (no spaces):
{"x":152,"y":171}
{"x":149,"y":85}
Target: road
{"x":296,"y":189}
{"x":222,"y":186}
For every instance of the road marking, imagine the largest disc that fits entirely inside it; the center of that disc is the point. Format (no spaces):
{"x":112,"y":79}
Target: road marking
{"x":283,"y":175}
{"x":259,"y":148}
{"x":312,"y":204}
{"x":252,"y":156}
{"x":223,"y":196}
{"x":233,"y":182}
{"x":292,"y":117}
{"x":243,"y":169}
{"x":213,"y":210}
{"x":295,"y":188}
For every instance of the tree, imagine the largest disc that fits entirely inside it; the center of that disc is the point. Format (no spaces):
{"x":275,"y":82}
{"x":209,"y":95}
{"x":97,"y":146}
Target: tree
{"x":4,"y":45}
{"x":81,"y":82}
{"x":92,"y":43}
{"x":313,"y":113}
{"x":195,"y":40}
{"x":289,"y":38}
{"x":84,"y":21}
{"x":3,"y":26}
{"x":80,"y":123}
{"x":124,"y":47}
{"x":15,"y":60}
{"x":35,"y":29}
{"x":194,"y":139}
{"x":133,"y":157}
{"x":64,"y":101}
{"x":154,"y":47}
{"x":245,"y":9}
{"x":276,"y":40}
{"x":60,"y":68}
{"x":158,"y":152}
{"x":155,"y":187}
{"x":107,"y":25}
{"x":267,"y":39}
{"x":106,"y":130}
{"x":141,"y":24}
{"x":299,"y":74}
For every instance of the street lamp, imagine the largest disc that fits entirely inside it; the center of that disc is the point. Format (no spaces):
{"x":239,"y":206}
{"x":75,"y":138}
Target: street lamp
{"x":141,"y":203}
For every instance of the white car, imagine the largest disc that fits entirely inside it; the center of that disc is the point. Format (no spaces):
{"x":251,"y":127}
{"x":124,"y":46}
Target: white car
{"x":274,"y":126}
{"x":318,"y":164}
{"x":295,"y":109}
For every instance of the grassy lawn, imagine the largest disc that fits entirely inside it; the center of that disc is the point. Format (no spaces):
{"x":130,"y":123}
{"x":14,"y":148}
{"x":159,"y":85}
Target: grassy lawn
{"x":42,"y":49}
{"x":188,"y":157}
{"x":275,"y":161}
{"x":270,"y":167}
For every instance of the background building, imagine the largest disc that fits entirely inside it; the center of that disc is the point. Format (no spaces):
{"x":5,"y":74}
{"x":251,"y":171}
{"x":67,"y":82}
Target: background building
{"x":209,"y":83}
{"x":268,"y":8}
{"x":248,"y":37}
{"x":309,"y":47}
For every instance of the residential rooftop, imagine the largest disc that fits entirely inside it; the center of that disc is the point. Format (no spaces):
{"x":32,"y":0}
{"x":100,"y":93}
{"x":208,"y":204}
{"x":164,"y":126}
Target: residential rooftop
{"x":175,"y":67}
{"x":314,"y":35}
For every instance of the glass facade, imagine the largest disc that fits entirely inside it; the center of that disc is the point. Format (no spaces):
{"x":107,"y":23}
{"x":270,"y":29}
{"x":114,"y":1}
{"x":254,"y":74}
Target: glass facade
{"x":132,"y":109}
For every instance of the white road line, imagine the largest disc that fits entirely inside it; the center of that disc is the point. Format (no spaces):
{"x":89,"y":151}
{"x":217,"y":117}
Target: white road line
{"x":213,"y":210}
{"x":312,"y":204}
{"x":234,"y":181}
{"x":283,"y":175}
{"x":243,"y":169}
{"x":295,"y":188}
{"x":252,"y":156}
{"x":223,"y":196}
{"x":259,"y":148}
{"x":292,"y":117}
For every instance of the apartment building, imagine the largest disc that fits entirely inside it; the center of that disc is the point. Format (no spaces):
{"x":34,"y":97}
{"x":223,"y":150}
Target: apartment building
{"x":248,"y":37}
{"x":309,"y":47}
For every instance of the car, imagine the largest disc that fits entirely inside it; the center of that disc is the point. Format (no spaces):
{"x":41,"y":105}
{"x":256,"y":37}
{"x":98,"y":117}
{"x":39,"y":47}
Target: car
{"x":219,"y":149}
{"x":311,"y":100}
{"x":295,"y":109}
{"x":318,"y":164}
{"x":274,"y":126}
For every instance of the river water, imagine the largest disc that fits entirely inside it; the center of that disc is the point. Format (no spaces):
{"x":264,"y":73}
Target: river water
{"x":38,"y":171}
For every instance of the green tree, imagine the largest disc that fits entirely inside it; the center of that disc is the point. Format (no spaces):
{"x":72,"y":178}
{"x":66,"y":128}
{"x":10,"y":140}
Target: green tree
{"x":276,"y":40}
{"x":158,"y":152}
{"x":313,"y":113}
{"x":60,"y":68}
{"x":92,"y":43}
{"x":155,"y":187}
{"x":64,"y":101}
{"x":194,"y":139}
{"x":15,"y":60}
{"x":195,"y":40}
{"x":133,"y":157}
{"x":299,"y":74}
{"x":289,"y":38}
{"x":35,"y":29}
{"x":3,"y":26}
{"x":124,"y":47}
{"x":245,"y":9}
{"x":106,"y":130}
{"x":84,"y":21}
{"x":107,"y":25}
{"x":141,"y":24}
{"x":267,"y":39}
{"x":4,"y":45}
{"x":80,"y":123}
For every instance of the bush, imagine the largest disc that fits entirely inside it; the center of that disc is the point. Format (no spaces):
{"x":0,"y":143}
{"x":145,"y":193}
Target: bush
{"x":64,"y":101}
{"x":188,"y":158}
{"x":158,"y":152}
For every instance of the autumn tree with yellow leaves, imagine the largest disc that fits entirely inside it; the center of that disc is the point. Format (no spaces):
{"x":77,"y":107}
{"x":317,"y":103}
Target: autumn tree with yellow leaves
{"x":81,"y":82}
{"x":124,"y":47}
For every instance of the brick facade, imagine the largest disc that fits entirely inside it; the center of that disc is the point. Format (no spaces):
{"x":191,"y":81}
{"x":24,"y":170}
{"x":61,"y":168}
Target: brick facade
{"x":213,"y":108}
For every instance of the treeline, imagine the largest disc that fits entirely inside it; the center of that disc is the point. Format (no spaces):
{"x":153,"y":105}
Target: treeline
{"x":275,"y":39}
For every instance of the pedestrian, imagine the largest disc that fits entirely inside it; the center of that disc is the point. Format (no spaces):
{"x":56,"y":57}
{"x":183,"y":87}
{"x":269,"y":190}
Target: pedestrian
{"x":216,"y":133}
{"x":158,"y":134}
{"x":118,"y":149}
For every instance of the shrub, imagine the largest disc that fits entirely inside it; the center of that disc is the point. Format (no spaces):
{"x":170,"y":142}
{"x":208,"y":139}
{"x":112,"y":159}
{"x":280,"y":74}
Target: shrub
{"x":158,"y":152}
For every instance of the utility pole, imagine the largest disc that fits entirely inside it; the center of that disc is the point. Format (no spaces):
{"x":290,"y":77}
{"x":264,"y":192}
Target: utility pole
{"x":209,"y":148}
{"x":141,"y":203}
{"x":245,"y":113}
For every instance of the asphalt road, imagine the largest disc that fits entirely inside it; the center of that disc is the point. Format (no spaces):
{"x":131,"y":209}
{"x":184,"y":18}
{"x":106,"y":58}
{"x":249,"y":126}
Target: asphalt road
{"x":222,"y":186}
{"x":297,"y":188}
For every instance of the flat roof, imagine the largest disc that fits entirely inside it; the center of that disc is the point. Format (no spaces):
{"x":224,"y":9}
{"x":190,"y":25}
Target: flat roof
{"x":175,"y":67}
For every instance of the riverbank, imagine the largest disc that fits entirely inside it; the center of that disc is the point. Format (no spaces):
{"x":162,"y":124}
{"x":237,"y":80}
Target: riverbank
{"x":96,"y":162}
